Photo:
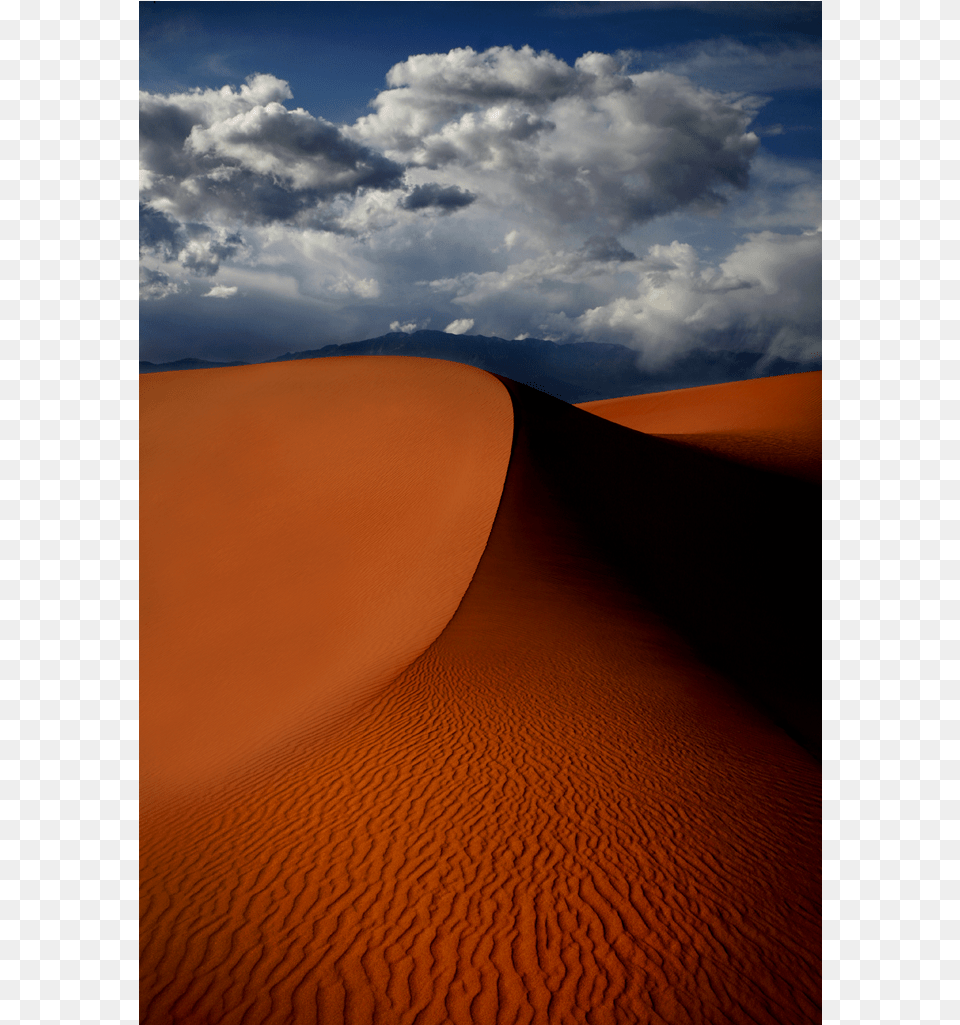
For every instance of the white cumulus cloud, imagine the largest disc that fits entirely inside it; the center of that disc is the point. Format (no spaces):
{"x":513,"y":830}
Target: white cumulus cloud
{"x":243,"y":156}
{"x":221,"y":292}
{"x":576,"y":142}
{"x":764,"y":296}
{"x":459,"y":327}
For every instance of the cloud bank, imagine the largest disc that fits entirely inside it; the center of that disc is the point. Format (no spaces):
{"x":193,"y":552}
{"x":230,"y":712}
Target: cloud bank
{"x":503,"y":191}
{"x":577,"y":143}
{"x":765,"y":295}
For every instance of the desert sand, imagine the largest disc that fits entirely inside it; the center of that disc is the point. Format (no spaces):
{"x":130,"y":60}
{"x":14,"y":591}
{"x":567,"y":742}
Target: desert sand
{"x":309,"y":529}
{"x":575,"y":782}
{"x":771,"y":422}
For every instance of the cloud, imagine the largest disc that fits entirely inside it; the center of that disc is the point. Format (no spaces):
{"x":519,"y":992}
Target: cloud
{"x":763,"y":296}
{"x":160,"y":234}
{"x":580,"y":143}
{"x":199,"y":248}
{"x":605,"y":249}
{"x":206,"y":248}
{"x":730,"y":64}
{"x":784,"y":194}
{"x":243,"y":156}
{"x":221,"y":292}
{"x":444,"y":198}
{"x":305,"y":153}
{"x":167,"y":121}
{"x":505,"y":188}
{"x":600,"y":257}
{"x":365,"y":288}
{"x":154,"y":284}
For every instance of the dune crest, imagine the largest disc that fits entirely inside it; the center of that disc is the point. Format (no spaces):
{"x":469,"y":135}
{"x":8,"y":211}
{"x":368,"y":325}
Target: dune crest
{"x":310,"y":529}
{"x":561,"y":811}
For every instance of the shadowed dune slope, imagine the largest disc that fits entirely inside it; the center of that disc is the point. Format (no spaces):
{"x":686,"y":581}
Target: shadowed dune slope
{"x":773,"y":423}
{"x":725,"y":551}
{"x":309,"y":530}
{"x":557,"y":813}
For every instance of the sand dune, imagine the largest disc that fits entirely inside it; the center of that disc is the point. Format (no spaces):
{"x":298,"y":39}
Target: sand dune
{"x":771,"y":422}
{"x":310,"y":529}
{"x":575,"y":805}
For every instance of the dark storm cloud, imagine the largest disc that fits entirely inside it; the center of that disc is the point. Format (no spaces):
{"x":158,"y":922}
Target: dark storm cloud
{"x":292,"y":146}
{"x":196,"y":247}
{"x":444,"y":198}
{"x":167,"y":121}
{"x":243,"y":156}
{"x":605,"y":248}
{"x":234,"y":194}
{"x":154,"y":284}
{"x":159,"y":234}
{"x":205,"y":250}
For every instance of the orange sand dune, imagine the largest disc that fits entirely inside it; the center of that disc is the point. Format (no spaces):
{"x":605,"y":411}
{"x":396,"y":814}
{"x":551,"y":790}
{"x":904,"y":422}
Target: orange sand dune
{"x":771,"y":422}
{"x":561,"y":811}
{"x":310,"y":528}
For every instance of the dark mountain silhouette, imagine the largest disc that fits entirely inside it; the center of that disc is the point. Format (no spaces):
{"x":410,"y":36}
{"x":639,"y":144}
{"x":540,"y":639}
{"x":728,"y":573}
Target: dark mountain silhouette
{"x":574,"y":372}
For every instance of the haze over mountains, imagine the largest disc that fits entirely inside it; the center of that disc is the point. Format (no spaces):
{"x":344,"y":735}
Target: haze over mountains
{"x":574,"y":372}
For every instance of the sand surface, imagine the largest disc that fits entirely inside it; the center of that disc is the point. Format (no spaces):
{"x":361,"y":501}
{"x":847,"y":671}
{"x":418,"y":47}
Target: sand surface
{"x":771,"y":422}
{"x":310,"y":528}
{"x":575,"y":805}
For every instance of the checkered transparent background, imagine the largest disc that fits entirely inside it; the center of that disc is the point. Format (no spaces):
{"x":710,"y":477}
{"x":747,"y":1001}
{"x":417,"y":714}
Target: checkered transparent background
{"x":68,"y":490}
{"x":891,"y":323}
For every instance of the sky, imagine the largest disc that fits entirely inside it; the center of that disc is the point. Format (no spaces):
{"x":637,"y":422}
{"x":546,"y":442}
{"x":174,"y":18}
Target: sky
{"x":644,"y":173}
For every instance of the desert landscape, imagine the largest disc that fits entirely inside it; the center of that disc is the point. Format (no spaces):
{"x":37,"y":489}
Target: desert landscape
{"x":462,"y":704}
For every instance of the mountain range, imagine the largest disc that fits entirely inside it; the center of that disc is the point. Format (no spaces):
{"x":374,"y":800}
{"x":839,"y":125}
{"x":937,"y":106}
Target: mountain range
{"x":574,"y":372}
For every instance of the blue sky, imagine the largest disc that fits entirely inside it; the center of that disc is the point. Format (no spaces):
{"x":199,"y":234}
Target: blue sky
{"x":646,"y":173}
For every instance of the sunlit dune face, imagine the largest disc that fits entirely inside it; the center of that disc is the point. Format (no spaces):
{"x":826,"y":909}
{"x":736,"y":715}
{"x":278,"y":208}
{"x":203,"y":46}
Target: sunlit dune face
{"x":308,"y":528}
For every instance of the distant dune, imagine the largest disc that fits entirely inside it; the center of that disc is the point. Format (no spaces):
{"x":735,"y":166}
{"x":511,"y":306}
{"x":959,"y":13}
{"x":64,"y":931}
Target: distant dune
{"x":770,"y":422}
{"x":432,"y":739}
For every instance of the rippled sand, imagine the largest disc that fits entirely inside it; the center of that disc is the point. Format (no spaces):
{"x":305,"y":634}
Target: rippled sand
{"x":581,"y":791}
